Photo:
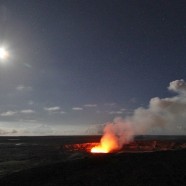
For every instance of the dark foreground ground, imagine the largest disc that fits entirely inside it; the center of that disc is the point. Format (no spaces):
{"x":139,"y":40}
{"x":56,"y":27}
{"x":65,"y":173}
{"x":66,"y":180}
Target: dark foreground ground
{"x":46,"y":164}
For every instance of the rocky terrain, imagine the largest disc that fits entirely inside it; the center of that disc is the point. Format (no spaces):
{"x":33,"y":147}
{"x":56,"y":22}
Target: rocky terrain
{"x":63,"y":162}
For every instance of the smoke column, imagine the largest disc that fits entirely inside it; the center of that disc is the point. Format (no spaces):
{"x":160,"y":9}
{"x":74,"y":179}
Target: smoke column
{"x":167,"y":113}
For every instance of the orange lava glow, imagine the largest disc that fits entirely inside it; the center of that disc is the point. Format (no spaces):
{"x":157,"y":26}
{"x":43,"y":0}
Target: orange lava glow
{"x":107,"y":144}
{"x":98,"y":149}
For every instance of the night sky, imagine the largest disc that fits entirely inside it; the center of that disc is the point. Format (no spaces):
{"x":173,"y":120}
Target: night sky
{"x":75,"y":64}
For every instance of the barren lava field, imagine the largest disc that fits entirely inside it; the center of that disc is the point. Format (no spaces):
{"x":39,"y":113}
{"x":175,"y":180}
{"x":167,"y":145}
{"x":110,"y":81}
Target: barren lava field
{"x":66,"y":160}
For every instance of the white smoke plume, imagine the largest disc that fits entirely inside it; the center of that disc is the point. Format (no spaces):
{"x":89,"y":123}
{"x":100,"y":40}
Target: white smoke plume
{"x":169,"y":114}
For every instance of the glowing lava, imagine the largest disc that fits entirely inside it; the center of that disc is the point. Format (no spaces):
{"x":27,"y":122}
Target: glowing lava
{"x":108,"y":143}
{"x":98,"y":149}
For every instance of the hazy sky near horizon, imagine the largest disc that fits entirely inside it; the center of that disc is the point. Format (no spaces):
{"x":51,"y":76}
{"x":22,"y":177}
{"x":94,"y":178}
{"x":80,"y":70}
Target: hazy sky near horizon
{"x":76,"y":63}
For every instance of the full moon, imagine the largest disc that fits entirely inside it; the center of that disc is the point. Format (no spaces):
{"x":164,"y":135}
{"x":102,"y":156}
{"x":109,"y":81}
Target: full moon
{"x":3,"y":54}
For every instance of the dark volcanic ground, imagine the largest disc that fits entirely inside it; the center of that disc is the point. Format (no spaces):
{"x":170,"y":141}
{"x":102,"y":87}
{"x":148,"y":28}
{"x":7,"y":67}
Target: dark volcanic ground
{"x":43,"y":161}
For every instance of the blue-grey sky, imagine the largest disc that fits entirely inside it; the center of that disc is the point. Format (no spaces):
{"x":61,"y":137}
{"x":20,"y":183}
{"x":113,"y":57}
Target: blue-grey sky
{"x":76,"y":63}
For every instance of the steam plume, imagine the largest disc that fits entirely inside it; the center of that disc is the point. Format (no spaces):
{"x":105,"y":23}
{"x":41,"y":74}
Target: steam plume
{"x":167,"y":113}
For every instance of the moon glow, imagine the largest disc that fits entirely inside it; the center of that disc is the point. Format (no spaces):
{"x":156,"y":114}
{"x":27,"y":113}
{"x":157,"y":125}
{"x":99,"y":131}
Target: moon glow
{"x":3,"y":54}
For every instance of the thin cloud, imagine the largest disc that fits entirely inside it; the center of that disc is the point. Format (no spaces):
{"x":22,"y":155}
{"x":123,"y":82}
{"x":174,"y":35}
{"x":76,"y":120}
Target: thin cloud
{"x":52,"y":109}
{"x":110,"y":104}
{"x":7,"y":132}
{"x":90,"y":105}
{"x":62,"y":112}
{"x":28,"y":120}
{"x":24,"y":88}
{"x":77,"y":108}
{"x":28,"y":111}
{"x":8,"y":113}
{"x":115,"y":112}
